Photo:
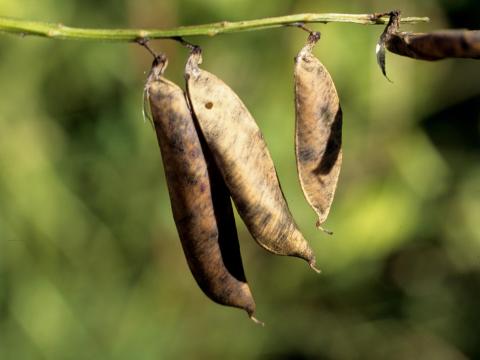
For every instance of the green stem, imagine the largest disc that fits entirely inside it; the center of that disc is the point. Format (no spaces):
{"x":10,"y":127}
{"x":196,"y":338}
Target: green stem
{"x":59,"y":31}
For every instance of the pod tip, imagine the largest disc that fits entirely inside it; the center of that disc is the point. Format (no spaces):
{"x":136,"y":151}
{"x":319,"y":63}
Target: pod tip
{"x":314,"y":267}
{"x":256,"y":321}
{"x":320,"y":227}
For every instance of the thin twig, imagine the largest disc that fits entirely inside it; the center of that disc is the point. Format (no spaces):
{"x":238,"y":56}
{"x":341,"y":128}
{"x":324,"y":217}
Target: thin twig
{"x":301,"y":26}
{"x":60,"y":31}
{"x":144,"y":42}
{"x":185,"y":43}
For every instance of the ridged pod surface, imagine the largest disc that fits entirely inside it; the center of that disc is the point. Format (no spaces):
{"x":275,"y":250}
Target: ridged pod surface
{"x":318,"y":130}
{"x":242,"y":156}
{"x":200,"y":201}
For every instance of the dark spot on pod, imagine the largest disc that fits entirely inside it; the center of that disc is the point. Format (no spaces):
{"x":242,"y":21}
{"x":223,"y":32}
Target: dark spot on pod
{"x":305,"y":155}
{"x":209,"y":105}
{"x":195,"y":153}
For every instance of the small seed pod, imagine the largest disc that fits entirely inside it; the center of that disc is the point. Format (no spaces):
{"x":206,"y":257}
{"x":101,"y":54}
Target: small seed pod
{"x":200,"y":201}
{"x":245,"y":162}
{"x":318,"y":130}
{"x":431,"y":46}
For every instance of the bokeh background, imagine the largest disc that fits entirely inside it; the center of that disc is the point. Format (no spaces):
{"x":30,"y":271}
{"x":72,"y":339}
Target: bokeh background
{"x":90,"y":262}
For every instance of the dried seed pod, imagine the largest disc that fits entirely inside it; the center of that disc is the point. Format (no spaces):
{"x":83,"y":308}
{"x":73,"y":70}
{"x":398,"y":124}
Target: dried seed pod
{"x":431,"y":46}
{"x":245,"y":162}
{"x":200,"y":201}
{"x":318,"y":130}
{"x":436,"y":45}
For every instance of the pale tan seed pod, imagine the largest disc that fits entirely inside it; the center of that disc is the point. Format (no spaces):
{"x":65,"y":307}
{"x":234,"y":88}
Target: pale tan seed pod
{"x":200,"y":201}
{"x":318,"y":130}
{"x":245,"y":162}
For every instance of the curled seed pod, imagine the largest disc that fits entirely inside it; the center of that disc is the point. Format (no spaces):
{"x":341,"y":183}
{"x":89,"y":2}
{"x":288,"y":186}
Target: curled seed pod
{"x":431,"y":46}
{"x":318,"y":130}
{"x":392,"y":27}
{"x":245,"y":162}
{"x":199,"y":198}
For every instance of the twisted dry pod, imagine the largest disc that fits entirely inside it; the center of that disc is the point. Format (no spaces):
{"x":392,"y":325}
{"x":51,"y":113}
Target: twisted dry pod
{"x":199,"y":198}
{"x":318,"y":130}
{"x":245,"y":162}
{"x":431,"y":46}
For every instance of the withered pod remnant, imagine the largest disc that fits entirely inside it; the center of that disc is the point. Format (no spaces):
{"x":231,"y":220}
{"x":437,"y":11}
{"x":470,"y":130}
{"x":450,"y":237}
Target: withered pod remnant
{"x":243,"y":158}
{"x":318,"y":130}
{"x":200,"y":201}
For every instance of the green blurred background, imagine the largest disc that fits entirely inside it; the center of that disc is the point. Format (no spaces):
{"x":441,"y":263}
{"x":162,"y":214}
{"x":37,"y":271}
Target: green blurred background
{"x":90,"y":262}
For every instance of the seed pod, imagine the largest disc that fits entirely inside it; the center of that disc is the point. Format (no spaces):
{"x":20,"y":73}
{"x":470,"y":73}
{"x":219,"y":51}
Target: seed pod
{"x":318,"y":130}
{"x":243,"y":158}
{"x":436,"y":45}
{"x":431,"y":46}
{"x":200,"y":201}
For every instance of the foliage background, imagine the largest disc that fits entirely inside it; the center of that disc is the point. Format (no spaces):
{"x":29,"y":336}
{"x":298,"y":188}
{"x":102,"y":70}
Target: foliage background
{"x":90,"y":263}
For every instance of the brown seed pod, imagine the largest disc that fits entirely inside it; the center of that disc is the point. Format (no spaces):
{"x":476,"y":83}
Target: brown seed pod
{"x":318,"y":130}
{"x":431,"y":46}
{"x":245,"y":162}
{"x":200,"y":201}
{"x":436,"y":45}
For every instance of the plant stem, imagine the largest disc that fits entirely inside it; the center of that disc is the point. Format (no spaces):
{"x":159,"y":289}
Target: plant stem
{"x":60,"y":31}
